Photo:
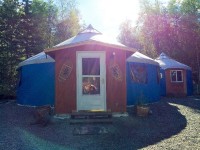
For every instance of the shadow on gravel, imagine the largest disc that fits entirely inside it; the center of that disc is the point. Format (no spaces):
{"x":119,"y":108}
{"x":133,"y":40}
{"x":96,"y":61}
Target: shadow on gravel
{"x":131,"y":132}
{"x":138,"y":132}
{"x":192,"y":102}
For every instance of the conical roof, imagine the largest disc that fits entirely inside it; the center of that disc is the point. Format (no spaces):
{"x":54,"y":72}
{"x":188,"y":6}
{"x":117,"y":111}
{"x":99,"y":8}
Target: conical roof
{"x":141,"y":58}
{"x":37,"y":59}
{"x":166,"y":62}
{"x":89,"y":36}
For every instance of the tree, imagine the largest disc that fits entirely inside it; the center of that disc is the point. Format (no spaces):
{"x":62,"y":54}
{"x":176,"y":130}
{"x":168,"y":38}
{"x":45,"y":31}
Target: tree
{"x":173,"y":28}
{"x":67,"y":27}
{"x":68,"y":20}
{"x":128,"y":35}
{"x":9,"y":21}
{"x":187,"y":25}
{"x":27,"y":28}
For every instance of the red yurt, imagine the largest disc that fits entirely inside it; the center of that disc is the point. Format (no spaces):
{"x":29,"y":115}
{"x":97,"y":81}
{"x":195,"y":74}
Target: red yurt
{"x":176,"y":77}
{"x":90,"y":73}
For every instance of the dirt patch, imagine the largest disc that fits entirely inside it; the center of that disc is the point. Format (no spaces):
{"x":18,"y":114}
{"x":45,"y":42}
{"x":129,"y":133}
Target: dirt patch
{"x":173,"y":124}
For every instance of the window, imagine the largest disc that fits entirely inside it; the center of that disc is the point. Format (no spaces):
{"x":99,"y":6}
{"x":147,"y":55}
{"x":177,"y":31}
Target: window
{"x":138,"y":73}
{"x":90,"y":76}
{"x":176,"y":75}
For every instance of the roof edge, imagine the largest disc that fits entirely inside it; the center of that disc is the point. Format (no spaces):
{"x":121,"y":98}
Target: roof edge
{"x":89,"y":43}
{"x":186,"y":68}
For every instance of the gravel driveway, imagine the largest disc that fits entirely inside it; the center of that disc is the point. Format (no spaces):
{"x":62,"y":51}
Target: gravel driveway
{"x":173,"y":124}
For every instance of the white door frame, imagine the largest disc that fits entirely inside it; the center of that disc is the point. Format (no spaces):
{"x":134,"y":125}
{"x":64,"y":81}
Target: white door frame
{"x":101,"y":98}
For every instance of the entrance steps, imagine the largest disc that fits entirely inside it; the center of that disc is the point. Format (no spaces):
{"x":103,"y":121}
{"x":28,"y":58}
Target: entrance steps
{"x":89,"y":117}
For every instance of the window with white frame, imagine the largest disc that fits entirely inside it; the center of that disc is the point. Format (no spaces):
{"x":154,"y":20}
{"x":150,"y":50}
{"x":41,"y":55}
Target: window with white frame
{"x":176,"y":75}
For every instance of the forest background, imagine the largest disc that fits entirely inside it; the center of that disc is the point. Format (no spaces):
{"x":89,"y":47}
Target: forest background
{"x":27,"y":27}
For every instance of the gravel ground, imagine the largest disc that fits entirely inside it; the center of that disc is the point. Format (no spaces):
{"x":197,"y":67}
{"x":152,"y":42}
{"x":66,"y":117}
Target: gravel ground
{"x":174,"y":124}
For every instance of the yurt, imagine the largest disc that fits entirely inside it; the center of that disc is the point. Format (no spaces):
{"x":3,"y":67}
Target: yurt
{"x":143,"y":79}
{"x":176,"y":78}
{"x":36,"y":81}
{"x":90,"y":73}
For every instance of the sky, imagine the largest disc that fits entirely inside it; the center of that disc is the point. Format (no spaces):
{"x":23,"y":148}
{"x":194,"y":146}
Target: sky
{"x":107,"y":15}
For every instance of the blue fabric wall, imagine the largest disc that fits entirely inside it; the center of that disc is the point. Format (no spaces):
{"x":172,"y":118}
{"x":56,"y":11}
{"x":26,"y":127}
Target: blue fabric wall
{"x":163,"y":83}
{"x":189,"y":83}
{"x":36,"y":85}
{"x":151,"y":90}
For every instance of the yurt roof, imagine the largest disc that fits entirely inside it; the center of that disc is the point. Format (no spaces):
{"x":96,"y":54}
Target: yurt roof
{"x":90,"y":36}
{"x":141,"y":58}
{"x":37,"y":59}
{"x":166,"y":62}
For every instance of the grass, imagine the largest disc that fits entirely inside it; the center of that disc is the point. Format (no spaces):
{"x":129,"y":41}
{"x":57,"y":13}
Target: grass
{"x":173,"y":124}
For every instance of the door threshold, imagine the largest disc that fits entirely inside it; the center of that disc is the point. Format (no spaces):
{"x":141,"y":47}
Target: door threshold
{"x":92,"y":110}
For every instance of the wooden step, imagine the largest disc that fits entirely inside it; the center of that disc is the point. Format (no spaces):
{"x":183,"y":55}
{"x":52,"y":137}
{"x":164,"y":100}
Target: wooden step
{"x":90,"y":121}
{"x":91,"y":115}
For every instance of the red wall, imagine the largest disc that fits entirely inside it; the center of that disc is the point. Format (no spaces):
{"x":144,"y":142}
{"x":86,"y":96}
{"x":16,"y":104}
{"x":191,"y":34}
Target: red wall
{"x":65,"y":89}
{"x":115,"y":88}
{"x":175,"y":88}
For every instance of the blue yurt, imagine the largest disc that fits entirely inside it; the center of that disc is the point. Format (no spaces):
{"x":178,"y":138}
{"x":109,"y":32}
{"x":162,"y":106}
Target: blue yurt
{"x":143,"y":79}
{"x":36,"y":81}
{"x":176,"y":78}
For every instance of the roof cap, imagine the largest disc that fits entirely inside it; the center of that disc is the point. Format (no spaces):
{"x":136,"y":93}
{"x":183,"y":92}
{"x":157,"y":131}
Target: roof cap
{"x":90,"y":29}
{"x":166,"y":62}
{"x":163,"y":56}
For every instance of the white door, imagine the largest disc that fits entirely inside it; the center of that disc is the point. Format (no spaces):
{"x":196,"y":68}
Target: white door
{"x":91,"y":82}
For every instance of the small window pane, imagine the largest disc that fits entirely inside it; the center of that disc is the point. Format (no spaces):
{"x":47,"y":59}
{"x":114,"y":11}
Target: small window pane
{"x":173,"y":76}
{"x":90,"y":66}
{"x":91,"y":85}
{"x":179,"y":76}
